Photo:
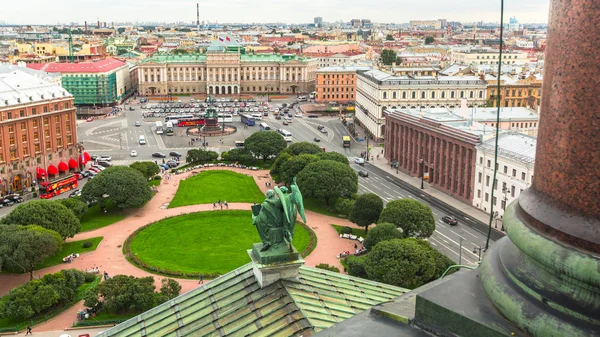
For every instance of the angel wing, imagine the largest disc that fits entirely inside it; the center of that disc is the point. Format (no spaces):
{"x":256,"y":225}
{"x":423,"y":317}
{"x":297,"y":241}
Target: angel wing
{"x":296,"y":197}
{"x":287,"y":206}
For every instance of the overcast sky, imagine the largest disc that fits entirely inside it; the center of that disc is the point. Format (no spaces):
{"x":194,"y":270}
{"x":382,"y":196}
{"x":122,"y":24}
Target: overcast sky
{"x":247,"y":11}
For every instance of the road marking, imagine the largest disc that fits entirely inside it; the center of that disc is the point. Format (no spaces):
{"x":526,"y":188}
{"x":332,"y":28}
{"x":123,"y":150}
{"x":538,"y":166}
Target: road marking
{"x":473,"y":235}
{"x":450,"y":249}
{"x":456,"y":243}
{"x":389,"y":195}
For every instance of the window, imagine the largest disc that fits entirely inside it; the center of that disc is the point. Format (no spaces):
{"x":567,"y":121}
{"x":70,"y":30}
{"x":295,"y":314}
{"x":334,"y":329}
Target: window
{"x":489,"y":163}
{"x":480,"y":160}
{"x":36,"y":135}
{"x":514,"y":173}
{"x":58,"y":130}
{"x":69,"y":139}
{"x":487,"y":197}
{"x":24,"y":138}
{"x":451,"y":94}
{"x":505,"y":169}
{"x":22,"y":113}
{"x":478,"y":193}
{"x":46,"y":133}
{"x":433,"y":94}
{"x":22,"y":126}
{"x":394,"y":94}
{"x":13,"y":154}
{"x":494,"y":201}
{"x":512,"y":191}
{"x":487,"y":180}
{"x":404,"y":95}
{"x":422,"y":94}
{"x":479,"y":178}
{"x":12,"y":140}
{"x":414,"y":95}
{"x":45,"y":109}
{"x":56,"y":119}
{"x":443,"y":94}
{"x":384,"y":95}
{"x":37,"y":148}
{"x":523,"y":176}
{"x":46,"y":121}
{"x":48,"y":146}
{"x":9,"y":115}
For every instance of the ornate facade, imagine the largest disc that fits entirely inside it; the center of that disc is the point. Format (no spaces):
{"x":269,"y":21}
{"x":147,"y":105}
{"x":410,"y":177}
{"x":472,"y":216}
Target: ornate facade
{"x":226,"y":70}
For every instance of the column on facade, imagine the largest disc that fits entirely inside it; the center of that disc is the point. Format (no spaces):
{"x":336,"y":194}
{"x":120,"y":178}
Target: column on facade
{"x":409,"y":135}
{"x":461,"y":170}
{"x":420,"y":142}
{"x":435,"y":147}
{"x":405,"y":146}
{"x":468,"y":170}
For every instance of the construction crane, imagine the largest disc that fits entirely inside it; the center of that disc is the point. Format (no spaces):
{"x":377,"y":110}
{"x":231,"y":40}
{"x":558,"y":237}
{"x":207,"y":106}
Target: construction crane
{"x":70,"y":46}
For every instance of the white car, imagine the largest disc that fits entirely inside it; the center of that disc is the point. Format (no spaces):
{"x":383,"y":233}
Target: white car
{"x":359,"y":161}
{"x":104,"y":158}
{"x":134,"y":153}
{"x":298,"y":115}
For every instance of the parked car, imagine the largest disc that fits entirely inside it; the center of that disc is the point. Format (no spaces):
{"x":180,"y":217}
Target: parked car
{"x":90,"y":119}
{"x":6,"y":202}
{"x":313,"y":116}
{"x":84,"y":174}
{"x":452,"y":221}
{"x":285,"y":123}
{"x":75,"y":193}
{"x":134,"y":153}
{"x":104,"y":158}
{"x":158,"y":155}
{"x":172,"y":163}
{"x":359,"y":161}
{"x":363,"y":173}
{"x":298,"y":115}
{"x":175,"y":154}
{"x":94,"y":156}
{"x":317,"y":139}
{"x":94,"y":170}
{"x":131,"y":108}
{"x":137,"y":123}
{"x":103,"y":163}
{"x":15,"y":198}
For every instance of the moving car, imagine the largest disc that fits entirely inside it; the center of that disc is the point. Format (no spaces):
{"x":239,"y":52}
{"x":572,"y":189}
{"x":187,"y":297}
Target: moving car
{"x":104,"y":158}
{"x":320,"y":127}
{"x":363,"y":173}
{"x":313,"y":116}
{"x":323,"y":130}
{"x":359,"y":161}
{"x":175,"y":154}
{"x":298,"y":115}
{"x":137,"y":123}
{"x":90,"y":119}
{"x":317,"y":139}
{"x":452,"y":221}
{"x":134,"y":153}
{"x":172,"y":164}
{"x":75,"y":193}
{"x":158,"y":155}
{"x":285,"y":123}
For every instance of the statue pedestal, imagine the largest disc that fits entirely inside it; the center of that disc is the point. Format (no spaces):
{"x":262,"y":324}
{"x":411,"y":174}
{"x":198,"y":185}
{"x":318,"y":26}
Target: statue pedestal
{"x":274,"y":264}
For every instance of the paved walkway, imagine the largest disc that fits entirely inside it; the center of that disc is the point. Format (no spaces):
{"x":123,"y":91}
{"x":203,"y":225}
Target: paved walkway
{"x":109,"y":257}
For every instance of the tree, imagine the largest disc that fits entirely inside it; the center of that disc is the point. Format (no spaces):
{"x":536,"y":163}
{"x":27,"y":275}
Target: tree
{"x":335,"y":156}
{"x":442,"y":262}
{"x":356,"y":266}
{"x":265,"y":144}
{"x":326,"y":266}
{"x":415,"y":218}
{"x":366,"y":210}
{"x":147,"y":168}
{"x":327,"y":180}
{"x":121,"y":30}
{"x":123,"y":293}
{"x":169,"y":289}
{"x":76,"y":205}
{"x":398,"y":60}
{"x":201,"y":156}
{"x":275,"y":50}
{"x":344,"y":206}
{"x":429,"y":40}
{"x":23,"y":247}
{"x":295,"y":30}
{"x":297,"y":149}
{"x":382,"y":232}
{"x":388,"y":56}
{"x":404,"y":263}
{"x":45,"y":213}
{"x":123,"y":186}
{"x":294,"y":165}
{"x":283,"y":157}
{"x":242,"y":156}
{"x":389,"y":37}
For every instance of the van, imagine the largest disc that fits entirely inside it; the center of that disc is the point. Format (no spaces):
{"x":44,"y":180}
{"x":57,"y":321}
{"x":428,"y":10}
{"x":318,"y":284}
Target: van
{"x":142,"y":140}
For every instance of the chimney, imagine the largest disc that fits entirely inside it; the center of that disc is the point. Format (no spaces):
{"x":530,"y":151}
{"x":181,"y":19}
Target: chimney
{"x":86,"y":27}
{"x":99,"y":23}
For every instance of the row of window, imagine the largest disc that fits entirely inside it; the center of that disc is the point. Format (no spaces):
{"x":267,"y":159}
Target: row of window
{"x":224,"y":78}
{"x":334,"y":96}
{"x":338,"y":76}
{"x":518,"y":93}
{"x":34,"y":111}
{"x":432,"y":94}
{"x":37,"y":148}
{"x":505,"y":171}
{"x":38,"y":160}
{"x":494,"y":56}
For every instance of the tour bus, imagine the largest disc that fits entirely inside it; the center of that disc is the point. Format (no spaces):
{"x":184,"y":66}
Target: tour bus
{"x":190,"y":122}
{"x":312,"y":95}
{"x":225,"y":118}
{"x":49,"y":189}
{"x":176,"y":118}
{"x":239,"y":144}
{"x":264,"y":127}
{"x":257,"y":116}
{"x":286,"y":135}
{"x":169,"y":128}
{"x":302,"y":98}
{"x":346,"y":141}
{"x":159,"y":128}
{"x":248,"y":120}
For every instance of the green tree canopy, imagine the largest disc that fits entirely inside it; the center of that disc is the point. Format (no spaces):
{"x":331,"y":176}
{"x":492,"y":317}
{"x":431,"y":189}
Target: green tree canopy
{"x":294,"y":165}
{"x":147,"y":168}
{"x":442,"y":262}
{"x":415,"y":218}
{"x":169,"y":289}
{"x":389,"y":37}
{"x":335,"y":156}
{"x":265,"y":144}
{"x":382,"y":232}
{"x":366,"y":210}
{"x":23,"y":247}
{"x":297,"y":149}
{"x":123,"y":293}
{"x":241,"y":156}
{"x":123,"y":186}
{"x":278,"y":164}
{"x":49,"y":214}
{"x":403,"y":263}
{"x":201,"y":156}
{"x":327,"y":180}
{"x":356,"y":266}
{"x":76,"y":205}
{"x":329,"y":267}
{"x":429,"y":40}
{"x":388,"y":56}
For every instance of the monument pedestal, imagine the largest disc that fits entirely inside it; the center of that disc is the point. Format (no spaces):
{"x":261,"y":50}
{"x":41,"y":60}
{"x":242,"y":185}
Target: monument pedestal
{"x":274,"y":264}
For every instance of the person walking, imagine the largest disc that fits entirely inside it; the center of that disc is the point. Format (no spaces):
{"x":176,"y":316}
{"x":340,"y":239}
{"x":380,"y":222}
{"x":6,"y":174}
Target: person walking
{"x":28,"y":330}
{"x":221,"y":206}
{"x":201,"y":280}
{"x":214,"y":205}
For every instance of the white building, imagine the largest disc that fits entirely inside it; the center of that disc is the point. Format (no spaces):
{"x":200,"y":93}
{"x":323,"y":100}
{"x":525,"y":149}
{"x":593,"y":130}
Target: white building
{"x":377,"y":90}
{"x":516,"y":158}
{"x":486,"y":56}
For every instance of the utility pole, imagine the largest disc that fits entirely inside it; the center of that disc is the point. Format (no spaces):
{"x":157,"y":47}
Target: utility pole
{"x":460,"y":251}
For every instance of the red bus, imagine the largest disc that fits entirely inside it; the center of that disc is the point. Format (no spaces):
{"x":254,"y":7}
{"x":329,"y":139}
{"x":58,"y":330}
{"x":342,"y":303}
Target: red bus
{"x":190,"y":122}
{"x":48,"y":189}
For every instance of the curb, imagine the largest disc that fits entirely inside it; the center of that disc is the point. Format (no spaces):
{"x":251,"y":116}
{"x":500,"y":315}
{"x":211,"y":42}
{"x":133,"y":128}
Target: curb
{"x":75,"y":328}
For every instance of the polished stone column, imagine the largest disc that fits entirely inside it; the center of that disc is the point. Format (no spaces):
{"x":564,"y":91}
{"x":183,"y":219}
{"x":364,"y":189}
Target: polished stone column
{"x":546,"y":278}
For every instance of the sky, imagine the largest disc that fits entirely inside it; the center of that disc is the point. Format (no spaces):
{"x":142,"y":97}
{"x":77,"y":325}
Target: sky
{"x":253,"y":11}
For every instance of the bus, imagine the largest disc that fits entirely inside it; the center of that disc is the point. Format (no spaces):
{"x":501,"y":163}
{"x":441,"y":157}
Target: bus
{"x":175,"y":118}
{"x":346,"y":141}
{"x":224,"y":118}
{"x":190,"y":122}
{"x":48,"y":189}
{"x":286,"y":135}
{"x":169,"y":128}
{"x":264,"y":127}
{"x":239,"y":144}
{"x":248,"y":120}
{"x":159,"y":128}
{"x":257,"y":116}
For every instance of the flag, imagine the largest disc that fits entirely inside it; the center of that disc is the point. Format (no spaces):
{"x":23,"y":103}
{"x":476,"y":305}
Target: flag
{"x":220,"y":39}
{"x":227,"y":38}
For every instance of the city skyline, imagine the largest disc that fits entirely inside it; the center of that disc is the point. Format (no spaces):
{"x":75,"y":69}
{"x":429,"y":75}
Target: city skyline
{"x":535,"y":11}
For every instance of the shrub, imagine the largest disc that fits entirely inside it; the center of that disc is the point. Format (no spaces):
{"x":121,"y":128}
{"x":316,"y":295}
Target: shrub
{"x":382,"y":232}
{"x":344,"y":206}
{"x":326,"y":266}
{"x":346,"y":230}
{"x":356,"y":266}
{"x":89,"y":277}
{"x":87,"y":244}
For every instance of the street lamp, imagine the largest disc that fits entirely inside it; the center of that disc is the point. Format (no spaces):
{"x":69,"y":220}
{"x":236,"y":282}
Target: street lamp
{"x":422,"y":173}
{"x":367,"y":137}
{"x":477,"y":250}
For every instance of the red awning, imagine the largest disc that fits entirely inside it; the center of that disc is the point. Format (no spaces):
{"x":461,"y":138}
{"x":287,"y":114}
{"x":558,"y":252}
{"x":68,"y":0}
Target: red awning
{"x":52,"y":170}
{"x":73,"y":164}
{"x":41,"y":173}
{"x":86,"y":157}
{"x":63,"y":167}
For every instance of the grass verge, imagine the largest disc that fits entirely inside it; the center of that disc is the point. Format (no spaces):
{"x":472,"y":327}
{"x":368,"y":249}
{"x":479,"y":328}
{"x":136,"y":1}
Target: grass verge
{"x":68,"y":248}
{"x":94,"y":218}
{"x":354,"y":231}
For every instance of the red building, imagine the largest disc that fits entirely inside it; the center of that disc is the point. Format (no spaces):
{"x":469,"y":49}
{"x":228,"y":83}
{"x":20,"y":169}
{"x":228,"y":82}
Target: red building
{"x":443,"y":153}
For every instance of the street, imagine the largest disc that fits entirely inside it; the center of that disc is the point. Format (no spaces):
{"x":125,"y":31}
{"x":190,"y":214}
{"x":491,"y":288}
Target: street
{"x":118,"y":136}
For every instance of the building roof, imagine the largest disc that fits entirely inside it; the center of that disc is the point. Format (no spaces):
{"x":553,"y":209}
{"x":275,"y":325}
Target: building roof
{"x":515,"y":146}
{"x":453,"y":69}
{"x":342,"y":69}
{"x":7,"y":68}
{"x":17,"y":87}
{"x":99,"y":66}
{"x":235,"y":305}
{"x":506,"y":114}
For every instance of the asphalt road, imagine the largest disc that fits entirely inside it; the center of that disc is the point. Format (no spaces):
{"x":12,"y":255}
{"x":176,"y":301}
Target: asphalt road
{"x":118,"y":136}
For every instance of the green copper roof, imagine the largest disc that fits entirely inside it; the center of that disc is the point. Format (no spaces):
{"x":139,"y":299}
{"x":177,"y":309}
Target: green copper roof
{"x":201,"y":58}
{"x":235,"y":305}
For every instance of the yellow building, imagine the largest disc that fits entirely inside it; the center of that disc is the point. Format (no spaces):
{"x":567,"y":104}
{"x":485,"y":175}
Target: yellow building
{"x":515,"y":92}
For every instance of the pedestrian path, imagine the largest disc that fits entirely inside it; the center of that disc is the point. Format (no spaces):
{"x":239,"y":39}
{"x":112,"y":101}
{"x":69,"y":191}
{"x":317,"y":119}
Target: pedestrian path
{"x":109,"y":257}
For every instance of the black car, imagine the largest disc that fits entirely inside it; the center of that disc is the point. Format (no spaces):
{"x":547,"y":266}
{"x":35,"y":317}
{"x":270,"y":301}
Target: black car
{"x":75,"y":193}
{"x":363,"y":173}
{"x":452,"y":221}
{"x":172,"y":164}
{"x":94,"y":157}
{"x":159,"y":155}
{"x":104,"y":163}
{"x":15,"y":198}
{"x":5,"y":202}
{"x":84,"y":174}
{"x":175,"y":154}
{"x":313,"y":116}
{"x":317,"y":139}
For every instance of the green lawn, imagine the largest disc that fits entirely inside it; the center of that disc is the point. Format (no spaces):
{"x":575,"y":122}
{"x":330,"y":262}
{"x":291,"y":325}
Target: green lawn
{"x":94,"y":218}
{"x":355,"y":231}
{"x":154,"y":182}
{"x":7,"y":324}
{"x":105,"y":318}
{"x":68,"y":248}
{"x":205,"y":242}
{"x":319,"y":206}
{"x":210,"y":186}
